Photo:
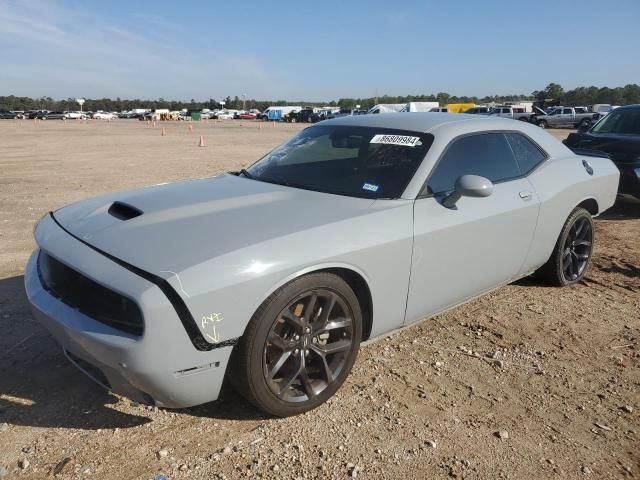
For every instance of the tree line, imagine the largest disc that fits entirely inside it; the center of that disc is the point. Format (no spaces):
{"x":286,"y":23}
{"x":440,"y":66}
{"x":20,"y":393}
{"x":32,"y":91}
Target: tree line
{"x":552,"y":94}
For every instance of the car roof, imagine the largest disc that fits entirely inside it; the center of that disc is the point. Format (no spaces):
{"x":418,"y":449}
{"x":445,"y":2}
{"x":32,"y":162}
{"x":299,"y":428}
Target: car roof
{"x":420,"y":121}
{"x":627,"y":107}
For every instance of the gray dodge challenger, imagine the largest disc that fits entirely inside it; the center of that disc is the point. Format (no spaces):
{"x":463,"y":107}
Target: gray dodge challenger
{"x":272,"y":276}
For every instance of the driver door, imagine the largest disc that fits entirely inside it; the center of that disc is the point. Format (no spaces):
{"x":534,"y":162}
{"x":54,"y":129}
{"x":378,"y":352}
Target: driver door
{"x":479,"y":244}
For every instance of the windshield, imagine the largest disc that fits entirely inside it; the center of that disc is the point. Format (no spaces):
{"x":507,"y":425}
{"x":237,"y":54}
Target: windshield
{"x":363,"y":162}
{"x":624,"y":122}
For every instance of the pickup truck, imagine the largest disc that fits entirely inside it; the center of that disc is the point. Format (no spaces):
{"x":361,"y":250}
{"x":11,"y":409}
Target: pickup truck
{"x":566,"y":117}
{"x":516,"y":113}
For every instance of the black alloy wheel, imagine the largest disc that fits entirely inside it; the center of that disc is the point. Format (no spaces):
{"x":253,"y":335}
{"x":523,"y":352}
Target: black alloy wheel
{"x":577,"y":249}
{"x":571,"y":256}
{"x":308,"y":345}
{"x":299,"y":345}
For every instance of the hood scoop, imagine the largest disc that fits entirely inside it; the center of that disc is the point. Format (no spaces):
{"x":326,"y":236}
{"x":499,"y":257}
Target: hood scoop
{"x":123,"y":211}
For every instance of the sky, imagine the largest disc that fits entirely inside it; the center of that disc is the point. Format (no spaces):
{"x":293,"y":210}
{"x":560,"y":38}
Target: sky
{"x":311,"y":50}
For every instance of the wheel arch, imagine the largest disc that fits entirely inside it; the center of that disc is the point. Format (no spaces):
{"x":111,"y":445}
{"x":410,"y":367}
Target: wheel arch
{"x":590,"y":205}
{"x":352,"y":275}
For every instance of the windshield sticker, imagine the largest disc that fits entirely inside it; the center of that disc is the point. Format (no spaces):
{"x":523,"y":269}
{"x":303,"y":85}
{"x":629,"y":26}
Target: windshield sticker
{"x":370,"y":187}
{"x":396,"y":140}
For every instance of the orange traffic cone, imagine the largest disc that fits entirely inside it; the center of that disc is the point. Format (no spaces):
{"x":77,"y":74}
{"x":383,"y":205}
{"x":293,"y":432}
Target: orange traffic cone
{"x":190,"y":127}
{"x":259,"y":126}
{"x":154,"y":123}
{"x":163,"y":132}
{"x":201,"y":143}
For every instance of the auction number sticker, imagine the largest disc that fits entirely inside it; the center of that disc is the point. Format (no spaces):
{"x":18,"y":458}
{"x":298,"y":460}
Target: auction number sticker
{"x":370,"y":187}
{"x":396,"y":140}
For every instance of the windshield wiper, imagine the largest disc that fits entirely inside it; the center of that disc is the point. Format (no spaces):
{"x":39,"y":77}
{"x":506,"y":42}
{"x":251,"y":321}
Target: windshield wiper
{"x":242,"y":171}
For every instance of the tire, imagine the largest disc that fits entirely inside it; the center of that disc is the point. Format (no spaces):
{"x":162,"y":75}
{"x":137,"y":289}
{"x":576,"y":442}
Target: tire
{"x":282,"y":363}
{"x":571,"y":255}
{"x":585,"y":123}
{"x":543,"y":124}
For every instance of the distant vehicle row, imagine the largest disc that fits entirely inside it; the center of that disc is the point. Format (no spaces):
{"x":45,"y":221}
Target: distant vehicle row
{"x":522,"y":111}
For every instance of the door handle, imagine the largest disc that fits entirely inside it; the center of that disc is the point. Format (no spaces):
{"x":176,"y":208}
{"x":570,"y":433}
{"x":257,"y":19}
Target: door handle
{"x":525,"y":195}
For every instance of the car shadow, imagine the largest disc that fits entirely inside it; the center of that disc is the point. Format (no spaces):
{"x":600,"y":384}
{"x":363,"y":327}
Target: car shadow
{"x":40,"y":388}
{"x":625,"y":208}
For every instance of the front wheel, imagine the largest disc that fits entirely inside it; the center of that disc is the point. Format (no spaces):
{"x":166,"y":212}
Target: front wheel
{"x":543,"y":124}
{"x":299,"y":346}
{"x":571,"y":256}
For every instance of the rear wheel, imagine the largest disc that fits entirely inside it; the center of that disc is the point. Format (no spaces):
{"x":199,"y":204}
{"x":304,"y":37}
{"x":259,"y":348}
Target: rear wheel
{"x":571,"y":256}
{"x":543,"y":124}
{"x":586,"y":123}
{"x":299,"y":346}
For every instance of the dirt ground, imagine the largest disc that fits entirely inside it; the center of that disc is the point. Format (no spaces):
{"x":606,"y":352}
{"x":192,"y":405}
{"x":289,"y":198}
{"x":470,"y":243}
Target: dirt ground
{"x":554,"y":372}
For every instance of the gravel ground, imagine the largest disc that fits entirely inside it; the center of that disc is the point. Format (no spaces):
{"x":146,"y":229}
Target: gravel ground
{"x":527,"y":382}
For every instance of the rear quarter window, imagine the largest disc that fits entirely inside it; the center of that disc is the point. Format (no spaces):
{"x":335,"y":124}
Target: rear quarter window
{"x":527,"y":154}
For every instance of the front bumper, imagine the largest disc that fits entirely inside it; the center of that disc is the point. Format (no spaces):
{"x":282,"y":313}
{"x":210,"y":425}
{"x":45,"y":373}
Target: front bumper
{"x":629,"y":179}
{"x":161,"y":367}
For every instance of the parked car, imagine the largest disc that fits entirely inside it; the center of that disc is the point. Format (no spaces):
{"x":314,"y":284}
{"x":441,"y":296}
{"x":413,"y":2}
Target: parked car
{"x":225,"y":115}
{"x":104,"y":116}
{"x":348,"y":112}
{"x":32,"y":114}
{"x":602,"y":108}
{"x":478,"y":111}
{"x":387,"y":108}
{"x":439,"y":110}
{"x":247,"y":116}
{"x":514,"y":113}
{"x":272,"y":276}
{"x":565,"y":117}
{"x":618,"y":135}
{"x":51,"y":116}
{"x":307,"y":115}
{"x":5,"y":115}
{"x":75,"y":115}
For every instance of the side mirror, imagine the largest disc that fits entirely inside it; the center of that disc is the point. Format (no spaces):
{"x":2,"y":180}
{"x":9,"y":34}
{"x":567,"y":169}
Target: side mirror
{"x":468,"y":186}
{"x":583,"y":128}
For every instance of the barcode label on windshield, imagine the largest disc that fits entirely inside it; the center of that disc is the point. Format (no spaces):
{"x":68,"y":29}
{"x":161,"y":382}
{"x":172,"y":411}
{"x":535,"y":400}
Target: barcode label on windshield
{"x":396,"y":140}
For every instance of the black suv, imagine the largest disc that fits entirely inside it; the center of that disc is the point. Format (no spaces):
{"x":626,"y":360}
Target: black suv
{"x":307,"y":115}
{"x":618,"y":135}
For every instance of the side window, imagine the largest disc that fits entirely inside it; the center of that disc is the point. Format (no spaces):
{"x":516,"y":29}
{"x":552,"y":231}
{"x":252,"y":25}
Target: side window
{"x":486,"y":154}
{"x":527,"y":154}
{"x":567,"y":111}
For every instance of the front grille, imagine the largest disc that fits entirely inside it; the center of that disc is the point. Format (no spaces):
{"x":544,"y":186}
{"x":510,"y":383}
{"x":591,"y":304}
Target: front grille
{"x":88,"y":297}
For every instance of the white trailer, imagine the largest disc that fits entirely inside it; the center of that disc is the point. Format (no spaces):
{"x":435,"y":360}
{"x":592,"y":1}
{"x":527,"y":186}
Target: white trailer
{"x":420,"y":106}
{"x":527,"y":106}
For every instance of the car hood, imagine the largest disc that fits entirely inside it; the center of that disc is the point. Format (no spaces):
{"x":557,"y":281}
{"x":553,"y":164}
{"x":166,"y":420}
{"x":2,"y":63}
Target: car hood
{"x":623,"y":149}
{"x":172,"y":227}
